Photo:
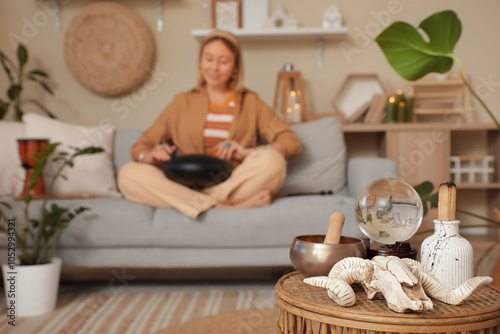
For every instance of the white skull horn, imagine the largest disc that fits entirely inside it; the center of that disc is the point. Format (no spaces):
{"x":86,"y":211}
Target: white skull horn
{"x":438,"y":291}
{"x":339,"y":280}
{"x":338,"y":290}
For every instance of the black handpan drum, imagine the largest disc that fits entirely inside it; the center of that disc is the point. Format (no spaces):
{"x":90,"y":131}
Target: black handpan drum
{"x":196,"y":171}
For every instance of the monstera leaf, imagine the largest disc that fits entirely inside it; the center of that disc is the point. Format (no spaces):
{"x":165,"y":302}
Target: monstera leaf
{"x":413,"y":55}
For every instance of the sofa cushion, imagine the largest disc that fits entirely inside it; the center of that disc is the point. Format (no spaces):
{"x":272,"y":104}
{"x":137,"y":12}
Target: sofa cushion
{"x":124,"y":140}
{"x":271,"y":226}
{"x":321,"y":166}
{"x":110,"y":222}
{"x":11,"y":172}
{"x":92,"y":173}
{"x":116,"y":222}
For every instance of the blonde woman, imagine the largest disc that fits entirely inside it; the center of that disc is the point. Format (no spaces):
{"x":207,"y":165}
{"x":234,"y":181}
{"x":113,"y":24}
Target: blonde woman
{"x":218,"y":117}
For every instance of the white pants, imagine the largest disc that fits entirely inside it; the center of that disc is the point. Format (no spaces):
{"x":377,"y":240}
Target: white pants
{"x":143,"y":183}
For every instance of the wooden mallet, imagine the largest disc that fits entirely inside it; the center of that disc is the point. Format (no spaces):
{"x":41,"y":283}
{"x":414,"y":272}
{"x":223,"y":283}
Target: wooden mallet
{"x":335,"y":229}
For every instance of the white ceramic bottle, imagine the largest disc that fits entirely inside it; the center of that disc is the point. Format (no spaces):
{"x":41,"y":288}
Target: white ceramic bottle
{"x":448,"y":255}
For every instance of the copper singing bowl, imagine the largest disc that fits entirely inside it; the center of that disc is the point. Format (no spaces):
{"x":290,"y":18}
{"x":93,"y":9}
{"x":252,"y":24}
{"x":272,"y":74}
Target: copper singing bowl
{"x":311,"y":257}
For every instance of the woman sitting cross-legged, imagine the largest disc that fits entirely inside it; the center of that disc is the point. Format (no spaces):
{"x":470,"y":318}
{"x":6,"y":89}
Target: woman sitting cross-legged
{"x":218,"y":117}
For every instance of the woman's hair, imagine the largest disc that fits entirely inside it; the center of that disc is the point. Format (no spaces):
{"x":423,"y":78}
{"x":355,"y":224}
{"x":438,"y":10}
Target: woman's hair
{"x":236,"y":81}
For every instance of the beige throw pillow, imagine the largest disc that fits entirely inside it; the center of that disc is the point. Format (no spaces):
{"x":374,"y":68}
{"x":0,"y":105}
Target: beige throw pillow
{"x":92,"y":174}
{"x":11,"y":172}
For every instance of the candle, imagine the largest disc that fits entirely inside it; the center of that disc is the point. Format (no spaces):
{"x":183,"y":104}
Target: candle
{"x":294,"y":107}
{"x":409,"y":109}
{"x":289,"y":115}
{"x":401,"y":112}
{"x":389,"y":110}
{"x":298,"y":112}
{"x":400,"y":96}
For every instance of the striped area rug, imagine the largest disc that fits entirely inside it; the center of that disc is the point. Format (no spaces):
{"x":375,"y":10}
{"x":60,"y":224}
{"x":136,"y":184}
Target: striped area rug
{"x":134,"y":312}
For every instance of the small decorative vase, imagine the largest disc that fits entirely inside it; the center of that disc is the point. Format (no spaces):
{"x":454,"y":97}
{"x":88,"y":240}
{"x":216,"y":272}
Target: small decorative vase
{"x":448,"y":255}
{"x":28,"y":150}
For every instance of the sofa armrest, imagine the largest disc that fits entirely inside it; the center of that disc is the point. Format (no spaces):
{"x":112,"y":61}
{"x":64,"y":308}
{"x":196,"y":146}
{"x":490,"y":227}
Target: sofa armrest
{"x":362,"y":171}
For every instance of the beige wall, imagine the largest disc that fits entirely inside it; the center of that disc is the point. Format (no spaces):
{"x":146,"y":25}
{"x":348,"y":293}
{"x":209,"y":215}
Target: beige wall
{"x":478,"y":48}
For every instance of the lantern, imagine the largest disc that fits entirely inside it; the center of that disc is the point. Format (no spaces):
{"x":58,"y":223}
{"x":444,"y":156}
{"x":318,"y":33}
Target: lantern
{"x":289,"y":99}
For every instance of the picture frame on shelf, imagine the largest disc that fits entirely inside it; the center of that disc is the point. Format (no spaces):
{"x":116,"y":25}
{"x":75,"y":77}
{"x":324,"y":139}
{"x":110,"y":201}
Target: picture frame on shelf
{"x":227,"y":14}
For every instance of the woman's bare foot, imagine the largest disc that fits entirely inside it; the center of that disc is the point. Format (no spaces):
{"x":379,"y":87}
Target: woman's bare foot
{"x":260,"y":199}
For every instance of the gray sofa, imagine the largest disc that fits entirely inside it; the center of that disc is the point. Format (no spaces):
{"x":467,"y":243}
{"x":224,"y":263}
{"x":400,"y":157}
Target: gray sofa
{"x":121,"y":234}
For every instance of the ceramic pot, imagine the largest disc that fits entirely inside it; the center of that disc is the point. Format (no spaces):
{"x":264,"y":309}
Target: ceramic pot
{"x":32,"y":290}
{"x":28,"y":150}
{"x":448,"y":255}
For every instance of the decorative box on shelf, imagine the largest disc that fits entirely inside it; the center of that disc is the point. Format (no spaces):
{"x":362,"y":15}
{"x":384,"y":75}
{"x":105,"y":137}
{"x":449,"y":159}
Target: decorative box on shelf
{"x":472,"y":169}
{"x":440,"y":96}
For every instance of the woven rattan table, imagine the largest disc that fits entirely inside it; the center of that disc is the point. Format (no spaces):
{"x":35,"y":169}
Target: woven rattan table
{"x":305,"y":309}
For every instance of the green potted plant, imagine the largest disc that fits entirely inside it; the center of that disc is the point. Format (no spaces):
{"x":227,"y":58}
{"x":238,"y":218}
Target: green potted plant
{"x":17,"y":76}
{"x":412,"y":57}
{"x":35,"y":244}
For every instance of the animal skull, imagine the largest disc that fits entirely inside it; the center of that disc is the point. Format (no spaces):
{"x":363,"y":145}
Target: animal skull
{"x":402,"y":282}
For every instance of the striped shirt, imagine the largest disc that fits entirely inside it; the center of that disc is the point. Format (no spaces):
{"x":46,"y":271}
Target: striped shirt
{"x":218,"y":122}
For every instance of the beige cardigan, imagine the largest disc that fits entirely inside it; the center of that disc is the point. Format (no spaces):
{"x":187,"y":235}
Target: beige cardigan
{"x":182,"y":123}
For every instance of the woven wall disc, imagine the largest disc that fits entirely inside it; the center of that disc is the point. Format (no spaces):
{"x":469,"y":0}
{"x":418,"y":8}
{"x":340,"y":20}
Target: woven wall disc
{"x":109,"y":49}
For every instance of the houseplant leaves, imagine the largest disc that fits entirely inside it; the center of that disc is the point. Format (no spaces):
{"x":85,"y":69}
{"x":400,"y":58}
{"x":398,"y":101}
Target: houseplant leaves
{"x":17,"y":76}
{"x":429,"y":200}
{"x":39,"y":237}
{"x":411,"y":56}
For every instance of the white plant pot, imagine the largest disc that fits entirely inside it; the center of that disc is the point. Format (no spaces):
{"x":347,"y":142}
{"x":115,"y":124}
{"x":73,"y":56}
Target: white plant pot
{"x":31,"y":289}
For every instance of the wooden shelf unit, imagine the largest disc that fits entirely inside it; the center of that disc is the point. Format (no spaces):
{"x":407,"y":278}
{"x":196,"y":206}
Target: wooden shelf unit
{"x":423,"y":151}
{"x":493,"y":185}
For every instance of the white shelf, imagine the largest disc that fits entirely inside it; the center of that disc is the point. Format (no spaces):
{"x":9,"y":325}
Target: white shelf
{"x":284,"y":34}
{"x":308,"y":33}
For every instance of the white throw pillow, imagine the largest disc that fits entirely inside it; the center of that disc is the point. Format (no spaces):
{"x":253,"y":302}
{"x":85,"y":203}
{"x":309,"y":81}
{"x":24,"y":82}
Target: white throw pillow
{"x":11,"y":172}
{"x":92,"y":174}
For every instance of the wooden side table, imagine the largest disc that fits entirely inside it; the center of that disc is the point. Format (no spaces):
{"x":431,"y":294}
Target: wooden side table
{"x":305,"y":309}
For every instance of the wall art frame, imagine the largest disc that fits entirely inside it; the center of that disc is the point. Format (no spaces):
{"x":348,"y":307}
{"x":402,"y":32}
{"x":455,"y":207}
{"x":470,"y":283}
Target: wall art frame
{"x":227,"y":14}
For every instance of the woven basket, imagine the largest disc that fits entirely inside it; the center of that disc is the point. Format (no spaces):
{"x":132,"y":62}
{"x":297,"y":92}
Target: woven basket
{"x":109,"y":49}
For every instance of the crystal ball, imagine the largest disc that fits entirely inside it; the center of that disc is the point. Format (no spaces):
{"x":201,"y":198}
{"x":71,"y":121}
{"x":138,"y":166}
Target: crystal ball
{"x":388,"y":210}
